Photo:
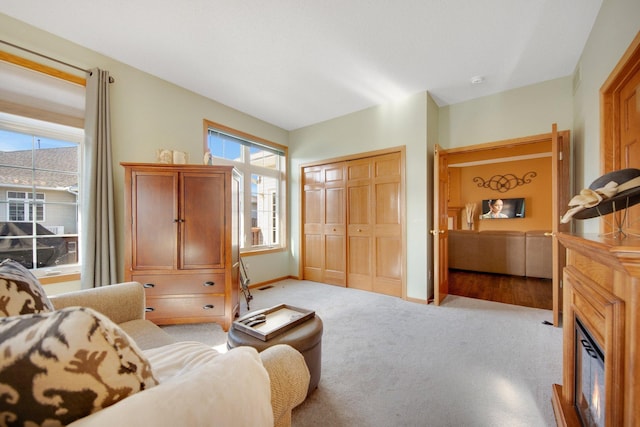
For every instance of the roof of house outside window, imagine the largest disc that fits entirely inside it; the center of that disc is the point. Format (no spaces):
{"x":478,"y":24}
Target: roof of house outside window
{"x":49,"y":162}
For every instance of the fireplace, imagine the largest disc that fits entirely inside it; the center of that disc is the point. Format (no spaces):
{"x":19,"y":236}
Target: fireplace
{"x":601,"y":333}
{"x":589,"y":375}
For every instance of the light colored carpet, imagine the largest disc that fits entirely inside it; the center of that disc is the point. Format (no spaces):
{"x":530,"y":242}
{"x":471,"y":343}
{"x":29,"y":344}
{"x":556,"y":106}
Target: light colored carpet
{"x":389,"y":362}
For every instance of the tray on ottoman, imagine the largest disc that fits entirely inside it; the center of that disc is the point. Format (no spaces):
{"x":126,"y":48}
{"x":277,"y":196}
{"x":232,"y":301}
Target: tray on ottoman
{"x":278,"y":319}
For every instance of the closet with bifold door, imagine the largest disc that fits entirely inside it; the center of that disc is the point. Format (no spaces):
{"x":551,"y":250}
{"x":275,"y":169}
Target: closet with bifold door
{"x":353,"y":222}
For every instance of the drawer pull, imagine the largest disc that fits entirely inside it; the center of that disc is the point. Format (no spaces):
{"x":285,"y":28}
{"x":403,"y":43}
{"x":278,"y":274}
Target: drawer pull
{"x":149,"y":309}
{"x":208,"y":283}
{"x":208,"y":307}
{"x":148,"y":285}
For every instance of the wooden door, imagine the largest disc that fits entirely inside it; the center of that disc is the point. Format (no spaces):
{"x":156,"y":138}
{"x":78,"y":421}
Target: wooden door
{"x":353,"y":223}
{"x":440,"y":222}
{"x":202,"y":221}
{"x":374,"y":224}
{"x":313,"y":223}
{"x":561,"y":194}
{"x":630,"y":138}
{"x":359,"y":224}
{"x":335,"y":244}
{"x":324,"y":215}
{"x":154,"y":220}
{"x":387,"y":231}
{"x":620,"y":127}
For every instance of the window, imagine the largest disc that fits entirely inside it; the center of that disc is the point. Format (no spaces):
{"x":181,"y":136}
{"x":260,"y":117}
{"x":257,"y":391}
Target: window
{"x":21,"y":207}
{"x":39,"y":175}
{"x":262,"y":165}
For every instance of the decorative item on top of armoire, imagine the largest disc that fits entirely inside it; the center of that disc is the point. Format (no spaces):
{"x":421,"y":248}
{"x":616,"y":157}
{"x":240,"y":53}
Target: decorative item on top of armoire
{"x":182,"y":240}
{"x":504,"y":183}
{"x":172,"y":156}
{"x":207,"y":159}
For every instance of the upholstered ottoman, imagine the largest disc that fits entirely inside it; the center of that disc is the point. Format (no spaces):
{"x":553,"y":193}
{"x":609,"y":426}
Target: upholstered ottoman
{"x":305,"y":337}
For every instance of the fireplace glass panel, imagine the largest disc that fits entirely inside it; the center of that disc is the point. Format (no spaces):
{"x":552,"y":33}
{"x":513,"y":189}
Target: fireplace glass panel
{"x":590,"y":389}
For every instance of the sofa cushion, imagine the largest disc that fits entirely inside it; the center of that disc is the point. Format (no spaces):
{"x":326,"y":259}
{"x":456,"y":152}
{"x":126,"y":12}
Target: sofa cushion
{"x":60,"y":366}
{"x":198,"y":388}
{"x":20,"y":291}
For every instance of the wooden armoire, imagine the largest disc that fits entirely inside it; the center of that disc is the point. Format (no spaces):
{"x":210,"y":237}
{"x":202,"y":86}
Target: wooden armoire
{"x":353,"y":222}
{"x":182,"y":231}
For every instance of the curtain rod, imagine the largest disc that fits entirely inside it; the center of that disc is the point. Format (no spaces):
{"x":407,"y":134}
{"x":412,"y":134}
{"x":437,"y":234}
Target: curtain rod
{"x":111,"y":79}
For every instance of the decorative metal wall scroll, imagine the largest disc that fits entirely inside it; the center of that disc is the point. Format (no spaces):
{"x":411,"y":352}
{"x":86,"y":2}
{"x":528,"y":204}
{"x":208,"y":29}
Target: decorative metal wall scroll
{"x":504,"y":183}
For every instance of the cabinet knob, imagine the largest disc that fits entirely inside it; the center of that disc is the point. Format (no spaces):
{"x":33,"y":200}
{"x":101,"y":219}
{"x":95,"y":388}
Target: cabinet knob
{"x":148,"y":285}
{"x":208,"y":307}
{"x":149,"y":309}
{"x":178,"y":220}
{"x":208,"y":283}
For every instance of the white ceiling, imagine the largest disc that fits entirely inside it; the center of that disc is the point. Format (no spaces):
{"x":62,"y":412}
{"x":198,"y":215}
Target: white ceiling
{"x":294,"y":63}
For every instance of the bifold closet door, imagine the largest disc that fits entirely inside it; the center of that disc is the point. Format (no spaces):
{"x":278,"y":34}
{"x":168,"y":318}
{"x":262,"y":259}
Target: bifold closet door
{"x":352,"y":223}
{"x":374,"y":224}
{"x":387,"y":224}
{"x":360,"y":212}
{"x":324,"y":224}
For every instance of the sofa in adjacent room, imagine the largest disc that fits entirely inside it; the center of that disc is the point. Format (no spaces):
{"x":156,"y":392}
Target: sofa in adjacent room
{"x":518,"y":253}
{"x":90,"y":358}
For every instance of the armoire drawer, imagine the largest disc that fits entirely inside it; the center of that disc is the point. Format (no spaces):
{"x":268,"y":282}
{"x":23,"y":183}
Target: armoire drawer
{"x":184,"y":307}
{"x":172,"y":284}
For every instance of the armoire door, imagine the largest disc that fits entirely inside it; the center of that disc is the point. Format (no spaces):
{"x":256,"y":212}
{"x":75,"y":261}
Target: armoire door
{"x":154,"y":227}
{"x":202,"y":221}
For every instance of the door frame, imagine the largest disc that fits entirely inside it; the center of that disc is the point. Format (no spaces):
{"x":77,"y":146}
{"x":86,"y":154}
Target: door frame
{"x":610,"y":115}
{"x":562,"y":194}
{"x":403,"y":214}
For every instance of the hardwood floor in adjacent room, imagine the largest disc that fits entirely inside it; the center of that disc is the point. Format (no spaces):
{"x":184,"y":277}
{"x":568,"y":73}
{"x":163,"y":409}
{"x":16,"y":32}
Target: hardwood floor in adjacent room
{"x":524,"y":291}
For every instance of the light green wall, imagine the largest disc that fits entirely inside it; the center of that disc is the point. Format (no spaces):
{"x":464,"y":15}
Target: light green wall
{"x":148,"y":113}
{"x":390,"y":125}
{"x":615,"y":28}
{"x":511,"y":114}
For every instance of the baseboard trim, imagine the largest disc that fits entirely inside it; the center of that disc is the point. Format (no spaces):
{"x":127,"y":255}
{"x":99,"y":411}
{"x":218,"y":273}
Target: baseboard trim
{"x":417,"y":300}
{"x":268,"y":282}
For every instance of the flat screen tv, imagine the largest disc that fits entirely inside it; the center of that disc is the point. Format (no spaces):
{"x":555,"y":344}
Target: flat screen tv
{"x":502,"y":208}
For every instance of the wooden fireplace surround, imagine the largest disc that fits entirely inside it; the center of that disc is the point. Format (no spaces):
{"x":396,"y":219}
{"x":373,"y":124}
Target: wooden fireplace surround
{"x":602,"y":288}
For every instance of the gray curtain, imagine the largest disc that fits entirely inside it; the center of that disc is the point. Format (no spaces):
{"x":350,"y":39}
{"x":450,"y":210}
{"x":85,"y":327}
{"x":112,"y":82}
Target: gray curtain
{"x":98,"y":248}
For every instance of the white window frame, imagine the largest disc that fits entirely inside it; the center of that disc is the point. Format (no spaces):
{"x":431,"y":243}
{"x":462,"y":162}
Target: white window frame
{"x":40,"y":128}
{"x":247,"y":170}
{"x":28,"y":206}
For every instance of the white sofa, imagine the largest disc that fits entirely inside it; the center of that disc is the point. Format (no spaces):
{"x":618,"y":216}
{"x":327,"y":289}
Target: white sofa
{"x":180,"y":383}
{"x":198,"y":386}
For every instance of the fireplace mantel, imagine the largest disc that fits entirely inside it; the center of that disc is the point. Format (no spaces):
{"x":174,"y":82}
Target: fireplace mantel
{"x":601,"y":287}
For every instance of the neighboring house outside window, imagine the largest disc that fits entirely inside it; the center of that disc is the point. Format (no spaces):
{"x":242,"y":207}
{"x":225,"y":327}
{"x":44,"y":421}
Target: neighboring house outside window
{"x":39,"y":209}
{"x":262,"y":165}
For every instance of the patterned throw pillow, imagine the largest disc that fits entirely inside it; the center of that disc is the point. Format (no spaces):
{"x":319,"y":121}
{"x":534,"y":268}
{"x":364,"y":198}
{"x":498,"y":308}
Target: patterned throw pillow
{"x":61,"y":366}
{"x":20,"y":291}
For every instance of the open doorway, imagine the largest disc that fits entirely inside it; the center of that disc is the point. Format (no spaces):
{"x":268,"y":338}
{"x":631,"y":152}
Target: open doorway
{"x":534,"y":168}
